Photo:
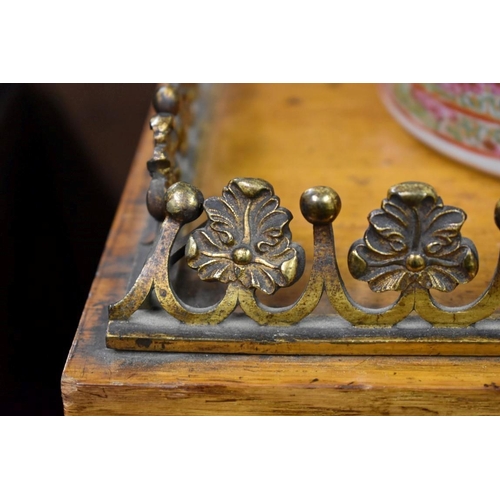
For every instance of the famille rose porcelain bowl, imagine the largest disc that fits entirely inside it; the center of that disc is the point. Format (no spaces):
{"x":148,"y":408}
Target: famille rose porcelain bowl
{"x":460,"y":120}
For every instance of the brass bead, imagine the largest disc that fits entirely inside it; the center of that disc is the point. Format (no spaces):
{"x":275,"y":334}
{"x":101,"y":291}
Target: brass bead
{"x":184,"y":202}
{"x":166,"y":100}
{"x":471,"y":263}
{"x":320,"y":205}
{"x":192,"y":250}
{"x":357,"y":265}
{"x":415,"y":262}
{"x":242,"y":255}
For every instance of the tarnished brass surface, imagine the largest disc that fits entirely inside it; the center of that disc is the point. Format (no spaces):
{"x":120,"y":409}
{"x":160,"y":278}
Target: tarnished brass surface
{"x":413,"y":244}
{"x":247,"y":239}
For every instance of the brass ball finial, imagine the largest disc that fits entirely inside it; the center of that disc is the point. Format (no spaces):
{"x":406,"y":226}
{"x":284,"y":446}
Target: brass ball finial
{"x":320,"y":205}
{"x":415,"y":262}
{"x":184,"y":202}
{"x":497,"y":214}
{"x":166,"y":100}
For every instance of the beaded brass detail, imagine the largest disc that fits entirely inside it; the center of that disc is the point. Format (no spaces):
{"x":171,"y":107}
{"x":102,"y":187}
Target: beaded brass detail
{"x":173,"y":105}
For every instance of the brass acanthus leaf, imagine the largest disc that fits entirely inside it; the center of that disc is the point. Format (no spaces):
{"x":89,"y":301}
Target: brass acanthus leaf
{"x":414,"y":241}
{"x":247,"y":239}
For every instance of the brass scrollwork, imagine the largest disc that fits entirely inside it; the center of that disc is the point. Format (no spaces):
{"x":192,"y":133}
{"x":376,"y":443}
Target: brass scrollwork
{"x":413,"y":244}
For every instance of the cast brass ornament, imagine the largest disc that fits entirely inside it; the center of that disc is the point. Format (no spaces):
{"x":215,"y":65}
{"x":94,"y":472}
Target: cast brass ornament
{"x":247,"y":239}
{"x":414,"y":241}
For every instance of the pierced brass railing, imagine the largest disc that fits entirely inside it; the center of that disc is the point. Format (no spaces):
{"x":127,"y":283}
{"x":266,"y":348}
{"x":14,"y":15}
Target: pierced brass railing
{"x":413,"y":244}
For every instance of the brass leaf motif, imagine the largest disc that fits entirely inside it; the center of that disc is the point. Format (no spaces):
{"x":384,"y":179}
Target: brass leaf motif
{"x":247,"y":239}
{"x":414,"y":241}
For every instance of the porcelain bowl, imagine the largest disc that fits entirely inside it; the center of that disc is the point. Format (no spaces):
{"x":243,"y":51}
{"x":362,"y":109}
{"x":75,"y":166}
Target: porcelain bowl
{"x":460,"y":120}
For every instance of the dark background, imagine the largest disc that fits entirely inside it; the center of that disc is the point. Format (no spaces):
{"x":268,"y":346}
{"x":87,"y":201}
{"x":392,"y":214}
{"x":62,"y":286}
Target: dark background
{"x":65,"y":151}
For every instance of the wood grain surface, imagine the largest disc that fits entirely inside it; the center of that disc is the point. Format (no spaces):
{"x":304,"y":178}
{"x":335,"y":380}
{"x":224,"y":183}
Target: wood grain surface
{"x":295,"y":136}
